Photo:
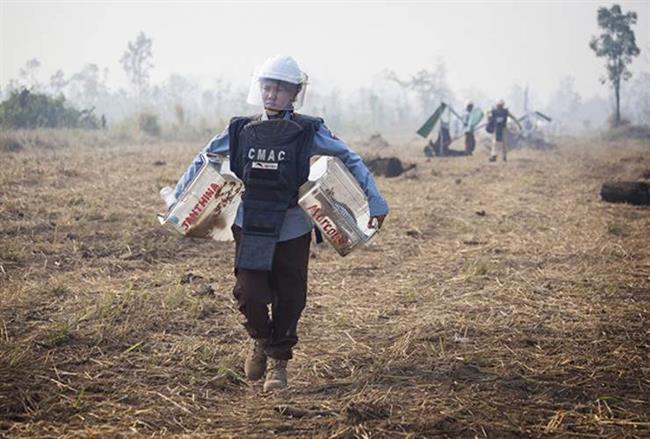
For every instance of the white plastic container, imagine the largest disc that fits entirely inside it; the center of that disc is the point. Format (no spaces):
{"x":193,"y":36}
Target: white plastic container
{"x":337,"y":205}
{"x":208,"y":206}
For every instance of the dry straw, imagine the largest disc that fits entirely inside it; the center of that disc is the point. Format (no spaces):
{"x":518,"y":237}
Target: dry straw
{"x":501,"y":300}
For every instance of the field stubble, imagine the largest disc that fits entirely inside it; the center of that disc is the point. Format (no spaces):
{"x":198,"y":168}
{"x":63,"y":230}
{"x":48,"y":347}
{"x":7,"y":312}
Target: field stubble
{"x":501,"y":300}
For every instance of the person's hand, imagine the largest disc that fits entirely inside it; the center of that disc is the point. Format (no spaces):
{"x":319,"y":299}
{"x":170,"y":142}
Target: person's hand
{"x":376,"y":221}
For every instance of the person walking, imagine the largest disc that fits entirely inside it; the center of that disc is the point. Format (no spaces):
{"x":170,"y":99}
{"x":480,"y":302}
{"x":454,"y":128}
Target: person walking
{"x":270,"y":152}
{"x":498,"y":123}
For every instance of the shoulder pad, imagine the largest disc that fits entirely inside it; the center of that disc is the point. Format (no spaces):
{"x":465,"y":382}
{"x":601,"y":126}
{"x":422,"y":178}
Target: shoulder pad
{"x":244,"y":118}
{"x":308,"y":119}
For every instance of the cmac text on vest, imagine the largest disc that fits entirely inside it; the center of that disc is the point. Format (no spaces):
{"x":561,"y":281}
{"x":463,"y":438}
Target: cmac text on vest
{"x":268,"y":155}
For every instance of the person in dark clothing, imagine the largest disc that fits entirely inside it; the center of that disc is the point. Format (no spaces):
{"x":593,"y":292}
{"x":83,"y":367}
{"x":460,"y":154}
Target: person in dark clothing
{"x":440,"y":148}
{"x":498,"y":120}
{"x":441,"y":145}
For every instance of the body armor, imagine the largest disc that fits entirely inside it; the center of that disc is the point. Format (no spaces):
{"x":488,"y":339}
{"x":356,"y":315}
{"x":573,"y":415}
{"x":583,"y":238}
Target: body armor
{"x":500,"y":116}
{"x":271,"y":157}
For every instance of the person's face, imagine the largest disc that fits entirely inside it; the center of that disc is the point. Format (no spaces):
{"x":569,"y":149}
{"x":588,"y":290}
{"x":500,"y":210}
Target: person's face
{"x":277,"y":95}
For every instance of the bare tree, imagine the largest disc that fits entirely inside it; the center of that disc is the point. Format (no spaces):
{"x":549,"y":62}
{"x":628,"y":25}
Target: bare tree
{"x":430,"y":87}
{"x":564,"y":105}
{"x":57,"y":83}
{"x":29,"y":72}
{"x":137,"y":61}
{"x":638,"y":106}
{"x":88,"y":86}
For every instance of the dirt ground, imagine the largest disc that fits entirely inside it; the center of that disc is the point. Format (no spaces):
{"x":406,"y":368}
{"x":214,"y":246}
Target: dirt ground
{"x":501,"y":300}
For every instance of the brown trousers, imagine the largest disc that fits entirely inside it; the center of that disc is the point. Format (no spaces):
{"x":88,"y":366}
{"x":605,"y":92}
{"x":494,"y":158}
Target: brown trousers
{"x":284,"y":288}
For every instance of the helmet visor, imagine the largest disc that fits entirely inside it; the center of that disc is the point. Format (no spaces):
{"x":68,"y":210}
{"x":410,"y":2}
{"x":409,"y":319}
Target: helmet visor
{"x":275,"y":94}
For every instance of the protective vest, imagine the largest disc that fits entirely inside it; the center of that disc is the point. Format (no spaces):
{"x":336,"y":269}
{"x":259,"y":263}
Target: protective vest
{"x":500,"y":116}
{"x":271,"y":157}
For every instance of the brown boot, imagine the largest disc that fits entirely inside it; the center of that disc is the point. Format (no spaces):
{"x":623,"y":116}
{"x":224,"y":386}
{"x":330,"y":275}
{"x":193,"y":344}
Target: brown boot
{"x":255,"y":364}
{"x":276,"y":376}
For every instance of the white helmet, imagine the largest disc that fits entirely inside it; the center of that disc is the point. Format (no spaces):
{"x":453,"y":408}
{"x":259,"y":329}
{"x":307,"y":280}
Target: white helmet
{"x":501,"y":103}
{"x":468,"y":103}
{"x":282,"y":68}
{"x":279,"y":68}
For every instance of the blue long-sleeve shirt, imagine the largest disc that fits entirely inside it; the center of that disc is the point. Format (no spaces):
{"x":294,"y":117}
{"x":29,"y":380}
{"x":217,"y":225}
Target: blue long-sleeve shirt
{"x":297,"y":222}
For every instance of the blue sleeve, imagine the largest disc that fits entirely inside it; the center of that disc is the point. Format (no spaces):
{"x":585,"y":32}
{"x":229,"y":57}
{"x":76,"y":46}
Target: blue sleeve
{"x":218,"y":145}
{"x":325,"y":143}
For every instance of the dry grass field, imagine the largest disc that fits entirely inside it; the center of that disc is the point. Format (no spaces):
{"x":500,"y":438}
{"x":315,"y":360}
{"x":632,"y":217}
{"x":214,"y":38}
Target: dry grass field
{"x":501,"y":300}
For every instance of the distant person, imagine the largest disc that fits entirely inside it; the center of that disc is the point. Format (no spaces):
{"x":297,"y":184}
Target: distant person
{"x":498,"y":127}
{"x":440,"y":148}
{"x":270,"y":152}
{"x":470,"y":140}
{"x":441,"y":145}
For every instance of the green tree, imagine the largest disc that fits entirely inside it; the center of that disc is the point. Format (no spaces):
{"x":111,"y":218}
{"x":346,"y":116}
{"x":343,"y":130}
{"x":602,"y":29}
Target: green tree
{"x":27,"y":110}
{"x":137,"y":62}
{"x":618,"y":45}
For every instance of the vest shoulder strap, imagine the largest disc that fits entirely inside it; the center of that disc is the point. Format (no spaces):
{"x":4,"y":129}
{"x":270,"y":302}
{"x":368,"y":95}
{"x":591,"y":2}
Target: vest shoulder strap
{"x":303,"y":120}
{"x":238,"y":122}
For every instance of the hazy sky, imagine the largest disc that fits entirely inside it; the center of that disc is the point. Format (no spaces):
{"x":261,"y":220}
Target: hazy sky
{"x":485,"y":45}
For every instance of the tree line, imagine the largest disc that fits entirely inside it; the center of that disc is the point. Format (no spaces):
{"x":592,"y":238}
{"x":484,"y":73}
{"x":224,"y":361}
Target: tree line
{"x":388,"y":104}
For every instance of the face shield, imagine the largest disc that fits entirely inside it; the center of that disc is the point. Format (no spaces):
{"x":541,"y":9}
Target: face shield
{"x":276,"y":94}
